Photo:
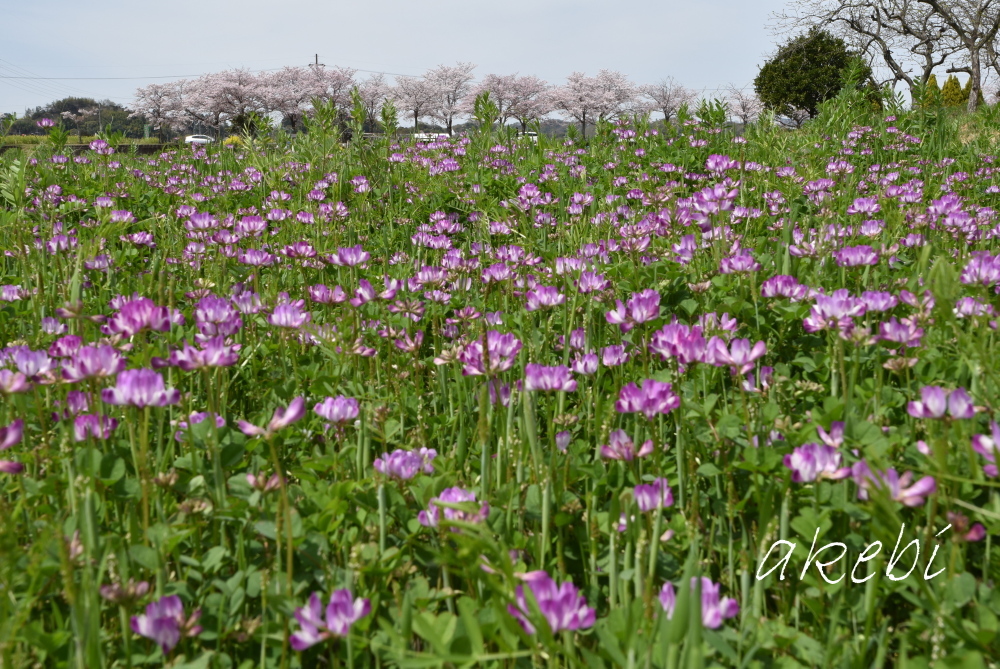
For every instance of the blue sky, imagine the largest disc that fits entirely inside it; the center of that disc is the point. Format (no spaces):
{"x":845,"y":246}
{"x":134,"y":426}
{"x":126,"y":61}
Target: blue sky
{"x":703,"y":44}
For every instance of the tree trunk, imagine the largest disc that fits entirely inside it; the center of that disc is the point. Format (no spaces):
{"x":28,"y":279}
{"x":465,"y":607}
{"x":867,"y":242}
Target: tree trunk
{"x":977,"y":82}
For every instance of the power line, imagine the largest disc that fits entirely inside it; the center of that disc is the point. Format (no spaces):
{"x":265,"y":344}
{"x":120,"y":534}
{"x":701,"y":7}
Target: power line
{"x":169,"y":76}
{"x":36,"y":87}
{"x":18,"y":70}
{"x":182,"y":76}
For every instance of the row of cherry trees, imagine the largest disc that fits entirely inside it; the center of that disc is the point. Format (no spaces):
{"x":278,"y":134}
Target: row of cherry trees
{"x":443,"y":95}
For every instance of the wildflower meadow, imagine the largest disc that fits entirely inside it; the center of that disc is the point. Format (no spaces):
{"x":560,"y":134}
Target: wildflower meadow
{"x":667,"y":396}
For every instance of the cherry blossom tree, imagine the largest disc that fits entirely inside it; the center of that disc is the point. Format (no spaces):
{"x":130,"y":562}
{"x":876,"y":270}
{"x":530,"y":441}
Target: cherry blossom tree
{"x":374,"y":91}
{"x":236,"y":95}
{"x":607,"y":96}
{"x":516,"y":97}
{"x":619,"y":97}
{"x":531,"y":100}
{"x":578,"y":99}
{"x":416,"y":96}
{"x":159,"y":104}
{"x":198,"y":101}
{"x":451,"y":84}
{"x":240,"y":92}
{"x":743,"y":104}
{"x":336,"y":84}
{"x":291,"y":90}
{"x":668,"y":97}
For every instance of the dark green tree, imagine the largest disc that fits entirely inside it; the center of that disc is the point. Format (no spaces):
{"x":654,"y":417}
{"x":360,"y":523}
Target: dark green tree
{"x":806,"y":71}
{"x":85,"y":116}
{"x":951,"y":92}
{"x":932,"y":93}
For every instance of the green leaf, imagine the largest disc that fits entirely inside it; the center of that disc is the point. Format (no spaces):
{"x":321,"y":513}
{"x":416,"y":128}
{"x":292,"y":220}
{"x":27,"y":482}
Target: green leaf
{"x":112,"y":469}
{"x":145,"y":556}
{"x":966,"y":660}
{"x":807,"y":521}
{"x":609,"y":644}
{"x":467,"y":611}
{"x":266,"y":528}
{"x":232,"y":454}
{"x":961,"y":588}
{"x":716,"y":641}
{"x":708,"y":469}
{"x":201,"y":662}
{"x":214,"y":557}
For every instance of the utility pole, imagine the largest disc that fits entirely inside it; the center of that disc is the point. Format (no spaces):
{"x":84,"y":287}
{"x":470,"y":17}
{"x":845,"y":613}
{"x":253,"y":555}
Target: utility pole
{"x":316,"y":64}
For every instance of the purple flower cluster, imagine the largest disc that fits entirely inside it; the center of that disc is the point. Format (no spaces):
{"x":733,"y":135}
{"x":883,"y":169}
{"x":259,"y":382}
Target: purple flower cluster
{"x":11,"y":435}
{"x":738,"y":355}
{"x":897,"y":488}
{"x":501,"y":353}
{"x":338,"y":410}
{"x":318,"y":625}
{"x":988,"y":447}
{"x":540,"y":377}
{"x":652,"y":399}
{"x":405,"y":465}
{"x":282,"y":418}
{"x":164,"y":623}
{"x":784,"y":286}
{"x":450,"y":497}
{"x":934,"y":402}
{"x":561,"y":605}
{"x":140,"y":388}
{"x":655,"y":495}
{"x":641,"y":308}
{"x":810,"y":462}
{"x":714,"y":610}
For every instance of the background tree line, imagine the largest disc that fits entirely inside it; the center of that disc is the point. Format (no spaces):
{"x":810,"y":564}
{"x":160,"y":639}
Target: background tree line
{"x":81,"y":116}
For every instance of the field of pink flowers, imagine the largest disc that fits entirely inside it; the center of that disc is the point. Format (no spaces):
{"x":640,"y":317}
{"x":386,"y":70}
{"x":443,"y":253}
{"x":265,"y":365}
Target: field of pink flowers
{"x":670,"y":397}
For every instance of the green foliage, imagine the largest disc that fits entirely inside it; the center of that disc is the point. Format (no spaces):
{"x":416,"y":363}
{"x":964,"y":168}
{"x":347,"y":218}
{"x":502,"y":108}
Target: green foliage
{"x":251,"y":125}
{"x":951,"y":92}
{"x":389,"y":118}
{"x":806,"y":71}
{"x":358,"y":115}
{"x":930,"y":95}
{"x":58,"y":136}
{"x":113,"y":137}
{"x":325,"y":119}
{"x":853,"y":105}
{"x":712,"y":113}
{"x":6,"y":122}
{"x":485,"y":111}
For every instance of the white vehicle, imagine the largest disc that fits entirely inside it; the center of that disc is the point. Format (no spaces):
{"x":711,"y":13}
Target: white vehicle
{"x":528,"y":136}
{"x":198,"y":139}
{"x":430,"y":136}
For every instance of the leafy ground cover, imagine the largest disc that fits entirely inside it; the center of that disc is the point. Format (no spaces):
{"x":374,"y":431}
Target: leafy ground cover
{"x":476,"y":402}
